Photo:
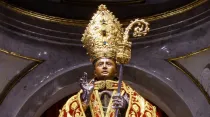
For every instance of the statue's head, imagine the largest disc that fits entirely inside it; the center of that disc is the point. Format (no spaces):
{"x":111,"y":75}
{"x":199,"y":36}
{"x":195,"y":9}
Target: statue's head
{"x":107,"y":43}
{"x":105,"y":69}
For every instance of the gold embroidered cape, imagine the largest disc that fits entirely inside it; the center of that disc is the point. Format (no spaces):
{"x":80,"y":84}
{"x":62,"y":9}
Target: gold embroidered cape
{"x":137,"y":106}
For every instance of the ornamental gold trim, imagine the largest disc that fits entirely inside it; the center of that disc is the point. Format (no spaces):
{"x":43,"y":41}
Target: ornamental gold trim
{"x":105,"y":37}
{"x":19,"y":76}
{"x":19,"y":56}
{"x":177,"y":11}
{"x":83,"y":23}
{"x":176,"y":64}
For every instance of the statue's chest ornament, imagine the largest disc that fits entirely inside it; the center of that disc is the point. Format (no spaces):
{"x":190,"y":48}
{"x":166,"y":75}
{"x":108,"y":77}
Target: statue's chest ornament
{"x":101,"y":98}
{"x":105,"y":97}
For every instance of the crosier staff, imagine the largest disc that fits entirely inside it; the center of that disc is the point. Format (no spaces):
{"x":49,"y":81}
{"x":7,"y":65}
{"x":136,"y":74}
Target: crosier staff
{"x":141,"y":29}
{"x":119,"y":85}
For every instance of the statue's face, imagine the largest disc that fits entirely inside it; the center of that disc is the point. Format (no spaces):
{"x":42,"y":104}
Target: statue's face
{"x":105,"y":69}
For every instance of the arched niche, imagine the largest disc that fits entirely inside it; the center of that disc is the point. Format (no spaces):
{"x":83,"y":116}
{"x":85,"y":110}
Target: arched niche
{"x":66,"y":83}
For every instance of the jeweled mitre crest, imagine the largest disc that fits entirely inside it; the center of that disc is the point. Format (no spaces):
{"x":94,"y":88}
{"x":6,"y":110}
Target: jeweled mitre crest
{"x":104,"y":36}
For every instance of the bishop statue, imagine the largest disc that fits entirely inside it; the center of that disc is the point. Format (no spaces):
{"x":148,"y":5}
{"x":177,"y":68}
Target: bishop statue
{"x":106,"y":95}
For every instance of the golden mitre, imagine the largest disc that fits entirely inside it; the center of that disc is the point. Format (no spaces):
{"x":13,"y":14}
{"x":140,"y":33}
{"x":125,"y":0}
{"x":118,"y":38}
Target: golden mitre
{"x":104,"y":36}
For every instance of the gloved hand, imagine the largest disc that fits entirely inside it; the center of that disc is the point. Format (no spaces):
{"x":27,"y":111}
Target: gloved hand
{"x":87,"y":89}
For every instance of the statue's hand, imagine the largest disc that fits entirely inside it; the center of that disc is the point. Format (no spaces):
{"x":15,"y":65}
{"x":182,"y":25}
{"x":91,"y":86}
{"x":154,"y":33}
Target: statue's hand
{"x":87,"y":88}
{"x":118,"y":102}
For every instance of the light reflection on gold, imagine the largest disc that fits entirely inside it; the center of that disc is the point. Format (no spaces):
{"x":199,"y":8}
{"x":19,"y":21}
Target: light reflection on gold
{"x":19,"y":76}
{"x":83,"y":23}
{"x":175,"y":63}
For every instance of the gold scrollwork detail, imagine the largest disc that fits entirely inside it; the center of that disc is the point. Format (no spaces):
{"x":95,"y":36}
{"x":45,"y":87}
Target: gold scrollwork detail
{"x":135,"y":107}
{"x":74,"y":105}
{"x":141,"y":29}
{"x":174,"y":62}
{"x":83,"y":23}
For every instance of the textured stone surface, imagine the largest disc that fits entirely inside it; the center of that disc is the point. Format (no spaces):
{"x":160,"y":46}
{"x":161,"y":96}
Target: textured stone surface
{"x":197,"y":65}
{"x":10,"y":66}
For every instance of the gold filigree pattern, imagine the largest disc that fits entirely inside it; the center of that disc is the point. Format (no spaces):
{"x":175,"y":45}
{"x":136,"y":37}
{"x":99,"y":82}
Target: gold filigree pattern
{"x":95,"y":105}
{"x":104,"y":36}
{"x":73,"y":107}
{"x":106,"y":84}
{"x":100,"y":84}
{"x":138,"y":106}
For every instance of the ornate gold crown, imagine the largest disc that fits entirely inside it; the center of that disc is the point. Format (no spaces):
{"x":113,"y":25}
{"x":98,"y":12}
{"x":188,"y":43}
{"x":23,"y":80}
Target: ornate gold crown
{"x":104,"y":36}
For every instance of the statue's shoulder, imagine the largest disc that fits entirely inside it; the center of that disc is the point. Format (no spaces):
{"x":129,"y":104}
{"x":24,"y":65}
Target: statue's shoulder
{"x":127,"y":88}
{"x":72,"y":99}
{"x":71,"y":106}
{"x":131,"y":91}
